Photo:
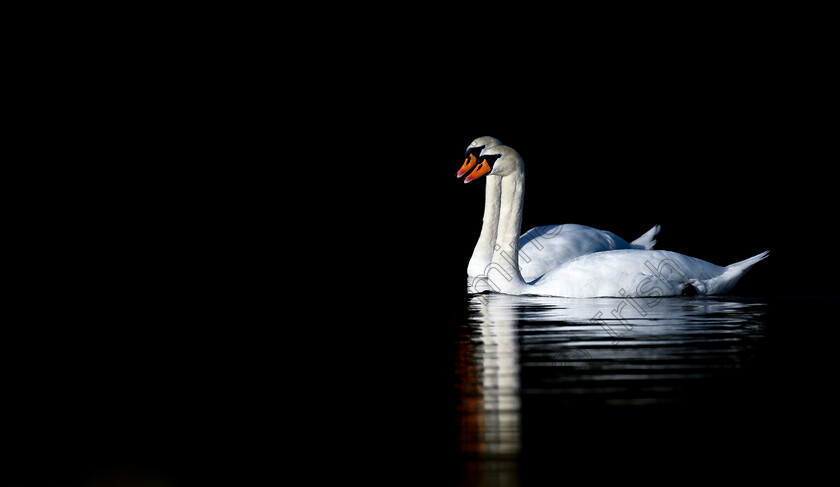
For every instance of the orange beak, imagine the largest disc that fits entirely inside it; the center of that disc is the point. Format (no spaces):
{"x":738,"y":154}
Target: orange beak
{"x":469,"y":163}
{"x":479,"y":171}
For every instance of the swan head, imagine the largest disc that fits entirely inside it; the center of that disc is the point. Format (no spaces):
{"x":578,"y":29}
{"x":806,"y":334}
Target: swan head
{"x":496,"y":161}
{"x":473,"y":150}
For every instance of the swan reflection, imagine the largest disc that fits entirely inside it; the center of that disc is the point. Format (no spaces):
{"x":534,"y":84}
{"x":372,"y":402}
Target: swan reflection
{"x":489,"y":369}
{"x":590,"y":351}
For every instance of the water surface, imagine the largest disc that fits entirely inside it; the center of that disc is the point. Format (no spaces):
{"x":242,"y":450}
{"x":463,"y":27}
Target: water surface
{"x":534,"y":370}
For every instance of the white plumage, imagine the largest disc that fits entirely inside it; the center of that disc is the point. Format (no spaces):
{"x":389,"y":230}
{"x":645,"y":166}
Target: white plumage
{"x":629,"y":272}
{"x":541,"y":248}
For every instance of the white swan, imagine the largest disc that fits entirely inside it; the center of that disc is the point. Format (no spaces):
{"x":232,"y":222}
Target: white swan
{"x":617,"y":273}
{"x":541,"y":248}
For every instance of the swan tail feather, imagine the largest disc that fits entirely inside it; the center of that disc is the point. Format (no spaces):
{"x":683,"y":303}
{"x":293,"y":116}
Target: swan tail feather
{"x":746,"y":264}
{"x":646,"y":241}
{"x":733,"y":274}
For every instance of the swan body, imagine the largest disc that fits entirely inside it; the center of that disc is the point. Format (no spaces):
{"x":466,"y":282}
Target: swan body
{"x":541,"y":248}
{"x":555,"y":244}
{"x":638,"y":273}
{"x":617,"y":273}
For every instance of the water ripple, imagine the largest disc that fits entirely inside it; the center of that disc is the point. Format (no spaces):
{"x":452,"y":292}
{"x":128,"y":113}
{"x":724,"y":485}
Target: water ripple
{"x":603,"y":351}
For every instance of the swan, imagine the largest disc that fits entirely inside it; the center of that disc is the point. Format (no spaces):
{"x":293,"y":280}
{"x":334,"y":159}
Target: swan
{"x":541,"y":248}
{"x":616,"y":273}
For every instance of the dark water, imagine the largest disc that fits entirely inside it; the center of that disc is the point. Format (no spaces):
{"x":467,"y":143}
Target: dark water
{"x":435,"y":389}
{"x":548,"y":386}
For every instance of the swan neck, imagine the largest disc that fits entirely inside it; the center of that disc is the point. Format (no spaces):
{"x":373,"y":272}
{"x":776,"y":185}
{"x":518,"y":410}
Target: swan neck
{"x":483,"y":252}
{"x":506,"y":250}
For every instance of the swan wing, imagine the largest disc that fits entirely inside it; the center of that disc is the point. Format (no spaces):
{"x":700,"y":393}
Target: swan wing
{"x":544,"y":248}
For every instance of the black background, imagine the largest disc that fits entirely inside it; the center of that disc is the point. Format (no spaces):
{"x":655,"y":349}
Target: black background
{"x":727,"y":168}
{"x":284,"y":269}
{"x":727,"y":152}
{"x":729,"y":157}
